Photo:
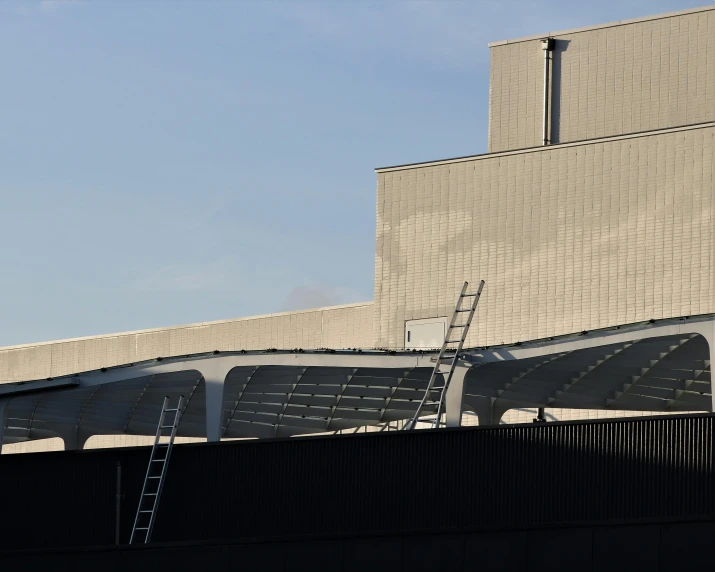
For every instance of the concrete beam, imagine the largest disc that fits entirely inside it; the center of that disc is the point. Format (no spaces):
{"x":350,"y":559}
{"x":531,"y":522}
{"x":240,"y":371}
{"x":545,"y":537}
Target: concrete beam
{"x":703,"y":326}
{"x":39,"y":385}
{"x":228,"y":361}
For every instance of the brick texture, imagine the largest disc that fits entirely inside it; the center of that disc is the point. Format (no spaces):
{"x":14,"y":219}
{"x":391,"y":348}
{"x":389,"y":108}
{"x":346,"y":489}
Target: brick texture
{"x":567,"y":238}
{"x":610,"y":81}
{"x":337,"y":327}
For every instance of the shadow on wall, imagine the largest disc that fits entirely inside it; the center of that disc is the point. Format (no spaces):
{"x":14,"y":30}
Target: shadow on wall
{"x":560,"y":46}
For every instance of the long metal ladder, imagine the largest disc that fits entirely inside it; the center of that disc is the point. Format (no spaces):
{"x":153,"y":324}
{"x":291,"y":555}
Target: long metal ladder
{"x":156,"y":472}
{"x":442,"y":359}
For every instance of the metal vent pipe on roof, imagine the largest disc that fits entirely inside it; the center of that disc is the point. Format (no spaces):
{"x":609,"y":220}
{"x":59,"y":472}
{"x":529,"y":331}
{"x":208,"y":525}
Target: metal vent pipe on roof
{"x":547,"y":45}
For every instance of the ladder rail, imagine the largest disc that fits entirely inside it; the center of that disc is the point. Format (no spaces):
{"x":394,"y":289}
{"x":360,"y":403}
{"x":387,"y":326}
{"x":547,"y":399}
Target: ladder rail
{"x":435,"y":371}
{"x":148,"y":470}
{"x":441,"y":355}
{"x":453,"y":364}
{"x":177,"y":418}
{"x":154,"y":496}
{"x":443,"y":349}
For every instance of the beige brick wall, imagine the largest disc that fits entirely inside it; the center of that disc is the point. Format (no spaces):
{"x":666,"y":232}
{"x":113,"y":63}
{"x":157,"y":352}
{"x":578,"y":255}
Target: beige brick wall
{"x":335,"y":327}
{"x":611,"y":80}
{"x":95,"y":442}
{"x":568,"y":238}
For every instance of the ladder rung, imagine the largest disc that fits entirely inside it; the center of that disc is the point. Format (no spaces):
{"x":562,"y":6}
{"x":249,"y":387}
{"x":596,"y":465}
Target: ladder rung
{"x":155,"y":477}
{"x":158,"y":460}
{"x":472,"y":295}
{"x":431,"y":402}
{"x":437,"y":388}
{"x":141,"y":528}
{"x":452,"y":341}
{"x":168,"y":410}
{"x":459,"y":325}
{"x":167,"y":426}
{"x":460,"y":311}
{"x":149,"y":494}
{"x":145,"y":511}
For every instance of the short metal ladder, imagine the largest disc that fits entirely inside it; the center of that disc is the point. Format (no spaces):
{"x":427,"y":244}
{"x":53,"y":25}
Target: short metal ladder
{"x":156,"y":472}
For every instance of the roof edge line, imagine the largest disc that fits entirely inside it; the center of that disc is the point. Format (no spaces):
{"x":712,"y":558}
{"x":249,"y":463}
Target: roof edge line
{"x":541,"y":148}
{"x":601,"y":26}
{"x":183,"y":326}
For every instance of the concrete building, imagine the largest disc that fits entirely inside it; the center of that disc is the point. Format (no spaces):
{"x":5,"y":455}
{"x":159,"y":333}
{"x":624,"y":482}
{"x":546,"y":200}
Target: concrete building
{"x":592,"y":210}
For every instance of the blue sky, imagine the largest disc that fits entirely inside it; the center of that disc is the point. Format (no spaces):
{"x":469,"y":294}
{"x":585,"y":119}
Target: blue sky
{"x":172,"y":162}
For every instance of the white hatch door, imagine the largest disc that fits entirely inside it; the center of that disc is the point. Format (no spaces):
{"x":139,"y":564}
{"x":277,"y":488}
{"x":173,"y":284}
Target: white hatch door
{"x":425,"y":334}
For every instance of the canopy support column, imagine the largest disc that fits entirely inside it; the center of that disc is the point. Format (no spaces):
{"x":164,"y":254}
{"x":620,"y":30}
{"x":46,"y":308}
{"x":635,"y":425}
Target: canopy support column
{"x":453,"y":398}
{"x":214,"y":374}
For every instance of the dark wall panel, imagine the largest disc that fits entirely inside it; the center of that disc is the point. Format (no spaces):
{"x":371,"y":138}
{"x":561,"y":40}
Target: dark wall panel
{"x":612,"y":548}
{"x":472,"y":478}
{"x":687,"y":547}
{"x":432,"y":552}
{"x":373,"y":554}
{"x":629,"y":547}
{"x":313,"y":555}
{"x":507,"y":551}
{"x":565,"y":549}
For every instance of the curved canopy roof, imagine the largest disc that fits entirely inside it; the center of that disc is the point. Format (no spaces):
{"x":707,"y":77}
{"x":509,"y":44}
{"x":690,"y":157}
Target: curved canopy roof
{"x":668,"y":373}
{"x":647,"y":367}
{"x":258,"y":401}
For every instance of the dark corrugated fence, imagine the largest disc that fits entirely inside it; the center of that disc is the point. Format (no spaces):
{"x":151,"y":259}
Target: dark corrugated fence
{"x":500,"y":477}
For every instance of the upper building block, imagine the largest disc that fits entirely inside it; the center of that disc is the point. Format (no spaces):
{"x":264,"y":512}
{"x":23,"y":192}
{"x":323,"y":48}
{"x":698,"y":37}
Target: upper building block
{"x":612,"y":79}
